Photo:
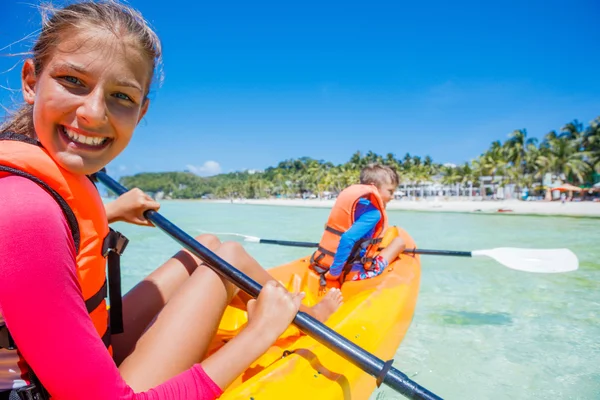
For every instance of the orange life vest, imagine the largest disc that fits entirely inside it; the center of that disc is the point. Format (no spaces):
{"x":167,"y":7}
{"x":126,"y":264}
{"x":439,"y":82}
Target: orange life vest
{"x":340,"y":220}
{"x":85,"y":214}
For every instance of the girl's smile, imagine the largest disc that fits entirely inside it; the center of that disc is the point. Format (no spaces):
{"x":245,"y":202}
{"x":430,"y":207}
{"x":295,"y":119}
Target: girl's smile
{"x":81,"y":140}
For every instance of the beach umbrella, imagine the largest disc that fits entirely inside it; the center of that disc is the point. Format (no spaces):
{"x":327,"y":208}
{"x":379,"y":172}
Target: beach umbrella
{"x":567,"y":187}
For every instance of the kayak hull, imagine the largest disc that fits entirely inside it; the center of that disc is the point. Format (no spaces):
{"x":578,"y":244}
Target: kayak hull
{"x":376,"y":315}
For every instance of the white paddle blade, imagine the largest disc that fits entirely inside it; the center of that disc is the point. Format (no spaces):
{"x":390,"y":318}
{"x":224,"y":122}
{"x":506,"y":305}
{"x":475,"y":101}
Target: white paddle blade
{"x":533,"y":260}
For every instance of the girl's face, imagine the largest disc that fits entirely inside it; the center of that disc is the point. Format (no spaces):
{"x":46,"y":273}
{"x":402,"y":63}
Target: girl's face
{"x":88,"y":98}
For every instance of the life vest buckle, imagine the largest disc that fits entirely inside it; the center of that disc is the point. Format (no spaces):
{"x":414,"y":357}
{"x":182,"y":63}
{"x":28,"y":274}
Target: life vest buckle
{"x":31,"y":392}
{"x":115,"y":242}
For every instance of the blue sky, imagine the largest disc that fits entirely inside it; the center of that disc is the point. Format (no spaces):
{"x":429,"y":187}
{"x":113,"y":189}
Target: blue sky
{"x":248,"y":84}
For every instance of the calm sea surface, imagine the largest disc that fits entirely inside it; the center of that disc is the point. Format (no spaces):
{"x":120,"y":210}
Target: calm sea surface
{"x":480,"y":331}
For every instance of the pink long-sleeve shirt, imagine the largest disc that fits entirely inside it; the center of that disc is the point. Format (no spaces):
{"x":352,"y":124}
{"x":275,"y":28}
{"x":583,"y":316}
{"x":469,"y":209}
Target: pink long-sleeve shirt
{"x":42,"y":304}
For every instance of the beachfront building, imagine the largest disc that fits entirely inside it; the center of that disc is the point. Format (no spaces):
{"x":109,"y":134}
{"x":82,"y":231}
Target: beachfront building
{"x":436,"y":188}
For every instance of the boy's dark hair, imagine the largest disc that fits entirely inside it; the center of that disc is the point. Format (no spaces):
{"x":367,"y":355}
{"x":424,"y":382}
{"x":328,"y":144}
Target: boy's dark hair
{"x":378,"y":174}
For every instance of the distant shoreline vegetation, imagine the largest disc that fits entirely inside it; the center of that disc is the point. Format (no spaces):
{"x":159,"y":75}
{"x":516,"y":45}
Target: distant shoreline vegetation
{"x":570,"y":156}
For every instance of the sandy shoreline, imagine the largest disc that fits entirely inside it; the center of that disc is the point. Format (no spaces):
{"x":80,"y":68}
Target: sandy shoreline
{"x":578,"y":209}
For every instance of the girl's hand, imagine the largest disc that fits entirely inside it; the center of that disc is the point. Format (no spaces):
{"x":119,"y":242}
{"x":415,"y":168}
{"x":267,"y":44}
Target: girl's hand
{"x":130,"y":207}
{"x":273,"y":311}
{"x":268,"y":318}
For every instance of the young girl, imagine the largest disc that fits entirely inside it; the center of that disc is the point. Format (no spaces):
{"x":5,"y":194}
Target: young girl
{"x":86,"y":89}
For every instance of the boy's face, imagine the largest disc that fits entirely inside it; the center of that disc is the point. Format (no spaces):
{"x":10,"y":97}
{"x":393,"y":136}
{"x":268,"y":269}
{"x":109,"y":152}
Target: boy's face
{"x":386,"y":191}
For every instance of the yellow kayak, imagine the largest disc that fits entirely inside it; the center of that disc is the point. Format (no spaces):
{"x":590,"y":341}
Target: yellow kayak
{"x":376,"y":315}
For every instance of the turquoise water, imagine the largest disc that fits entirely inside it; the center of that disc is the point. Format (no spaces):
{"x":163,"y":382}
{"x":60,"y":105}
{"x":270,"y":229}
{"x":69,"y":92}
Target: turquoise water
{"x":480,"y":331}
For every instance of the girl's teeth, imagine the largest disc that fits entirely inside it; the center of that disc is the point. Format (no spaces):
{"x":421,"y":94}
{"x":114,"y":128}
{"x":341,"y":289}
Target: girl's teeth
{"x":91,"y":141}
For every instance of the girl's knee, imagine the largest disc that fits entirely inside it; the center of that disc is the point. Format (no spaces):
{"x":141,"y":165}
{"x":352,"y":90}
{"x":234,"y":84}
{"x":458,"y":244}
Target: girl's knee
{"x":232,"y":252}
{"x":231,"y":249}
{"x":209,"y":240}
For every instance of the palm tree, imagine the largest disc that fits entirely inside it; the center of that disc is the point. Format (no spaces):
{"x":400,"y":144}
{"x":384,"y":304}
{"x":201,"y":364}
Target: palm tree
{"x":562,"y":156}
{"x":451,"y":176}
{"x":516,"y":153}
{"x":591,"y":144}
{"x":492,"y":163}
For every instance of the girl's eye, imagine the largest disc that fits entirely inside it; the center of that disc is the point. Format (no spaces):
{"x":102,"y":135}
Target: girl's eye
{"x":72,"y":79}
{"x":123,"y":96}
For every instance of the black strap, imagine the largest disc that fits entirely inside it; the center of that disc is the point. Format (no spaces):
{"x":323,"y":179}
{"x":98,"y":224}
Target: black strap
{"x":346,"y":271}
{"x":29,"y":392}
{"x":314,"y":262}
{"x":6,"y":340}
{"x":324,"y":252}
{"x":94,"y":302}
{"x":114,"y":293}
{"x":19,"y":138}
{"x":114,"y":245}
{"x":106,"y":337}
{"x":334,"y":231}
{"x":69,"y":215}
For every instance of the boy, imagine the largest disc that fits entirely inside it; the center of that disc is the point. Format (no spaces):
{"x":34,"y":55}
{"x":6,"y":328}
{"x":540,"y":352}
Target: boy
{"x":349,"y":247}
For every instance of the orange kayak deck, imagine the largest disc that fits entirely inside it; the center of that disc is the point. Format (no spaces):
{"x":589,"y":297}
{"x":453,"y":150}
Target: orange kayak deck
{"x":376,"y":315}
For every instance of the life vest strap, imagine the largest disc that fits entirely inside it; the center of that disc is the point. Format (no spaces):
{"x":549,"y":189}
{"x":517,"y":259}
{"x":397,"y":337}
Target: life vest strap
{"x":106,"y":337}
{"x":114,"y":242}
{"x":334,"y":231}
{"x":366,"y":259}
{"x":69,"y":215}
{"x":33,"y":391}
{"x":94,"y":301}
{"x":114,"y":245}
{"x":324,"y":252}
{"x":6,"y":340}
{"x":314,"y":263}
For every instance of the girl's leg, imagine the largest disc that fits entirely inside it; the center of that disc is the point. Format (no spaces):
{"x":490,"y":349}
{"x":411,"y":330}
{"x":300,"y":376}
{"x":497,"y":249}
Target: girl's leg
{"x":182,"y":331}
{"x":142,"y":303}
{"x":321,"y":311}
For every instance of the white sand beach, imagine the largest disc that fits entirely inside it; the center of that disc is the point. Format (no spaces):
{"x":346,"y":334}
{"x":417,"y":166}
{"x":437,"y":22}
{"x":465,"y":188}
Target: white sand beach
{"x":575,"y":209}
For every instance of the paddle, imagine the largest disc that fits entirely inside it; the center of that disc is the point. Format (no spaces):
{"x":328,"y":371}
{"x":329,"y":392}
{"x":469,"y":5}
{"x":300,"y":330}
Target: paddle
{"x":382,"y":370}
{"x":528,"y":260}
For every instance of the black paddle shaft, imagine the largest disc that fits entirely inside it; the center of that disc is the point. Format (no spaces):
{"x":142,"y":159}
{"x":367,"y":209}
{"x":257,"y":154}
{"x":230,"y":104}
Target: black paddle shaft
{"x":369,"y":363}
{"x":288,"y":243}
{"x":439,"y":252}
{"x":407,"y":251}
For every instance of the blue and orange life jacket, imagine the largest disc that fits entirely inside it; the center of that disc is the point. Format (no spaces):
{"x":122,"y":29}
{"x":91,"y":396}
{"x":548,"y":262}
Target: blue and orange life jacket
{"x":341,"y":218}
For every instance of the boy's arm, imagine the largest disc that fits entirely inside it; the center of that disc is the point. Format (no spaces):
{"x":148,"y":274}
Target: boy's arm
{"x":365,"y":223}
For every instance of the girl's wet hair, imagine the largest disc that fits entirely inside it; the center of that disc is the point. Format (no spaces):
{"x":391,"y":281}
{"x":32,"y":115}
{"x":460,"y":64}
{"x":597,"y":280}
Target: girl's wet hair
{"x":115,"y":17}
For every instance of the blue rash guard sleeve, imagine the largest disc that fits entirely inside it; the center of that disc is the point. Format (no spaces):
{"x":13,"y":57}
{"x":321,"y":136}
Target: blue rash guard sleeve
{"x":366,"y":218}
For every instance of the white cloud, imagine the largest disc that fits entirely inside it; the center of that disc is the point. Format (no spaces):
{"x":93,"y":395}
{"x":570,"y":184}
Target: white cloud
{"x":122,"y":168}
{"x":209,"y":168}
